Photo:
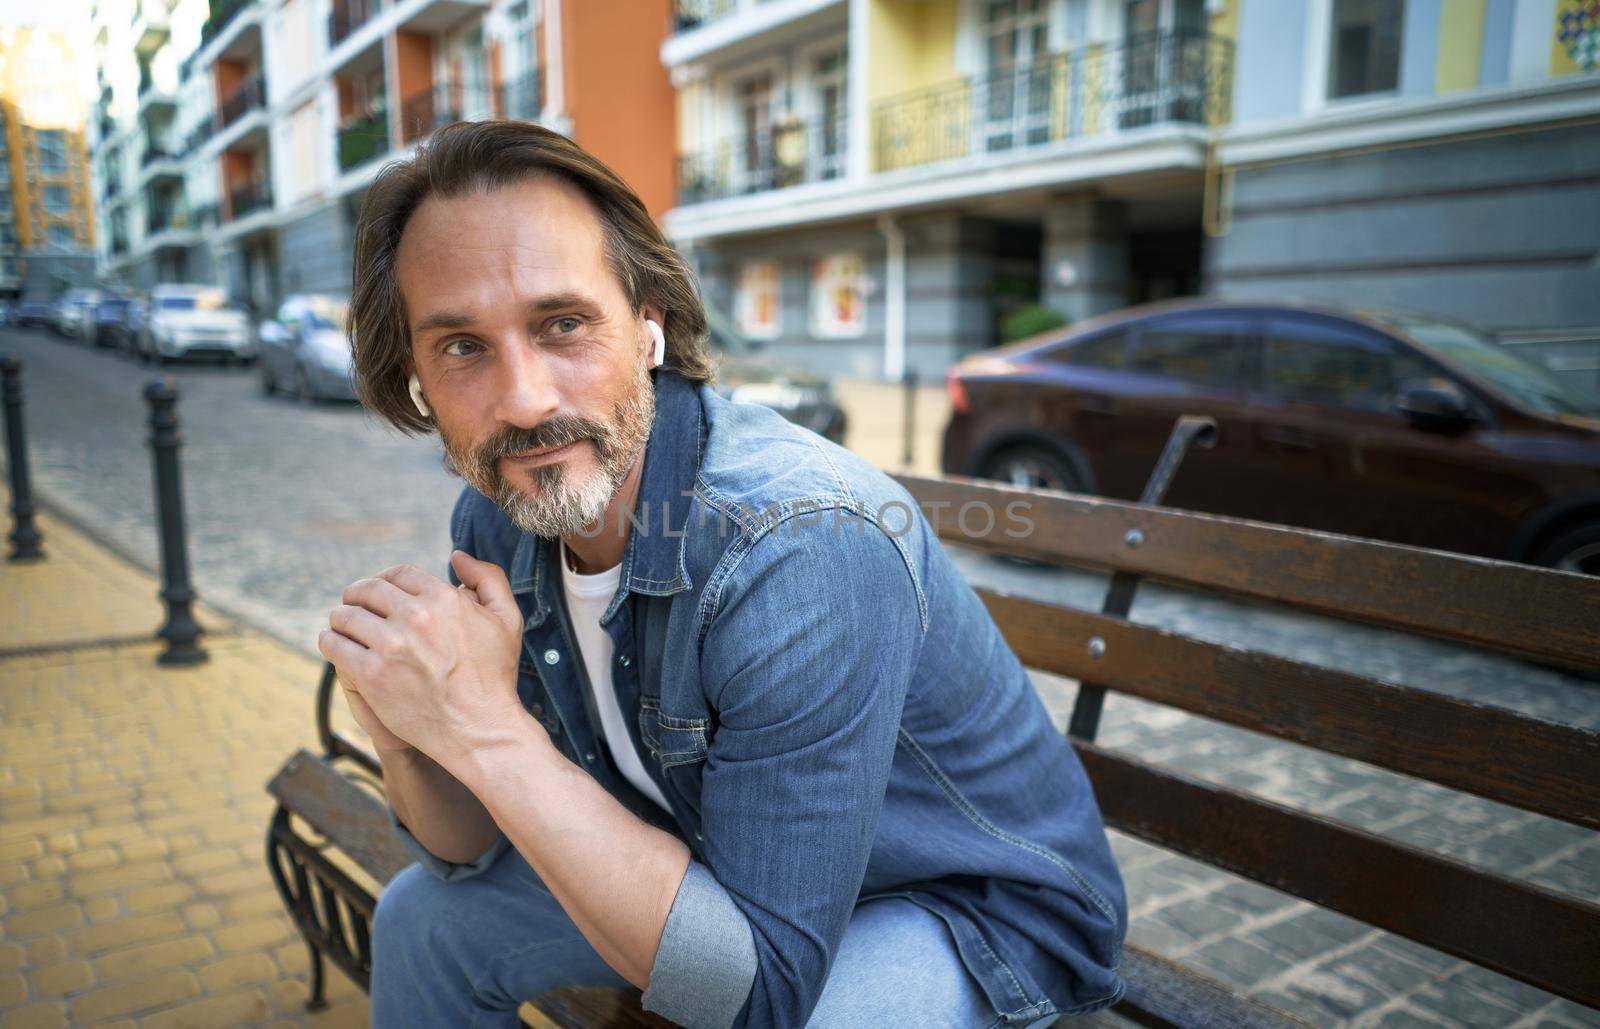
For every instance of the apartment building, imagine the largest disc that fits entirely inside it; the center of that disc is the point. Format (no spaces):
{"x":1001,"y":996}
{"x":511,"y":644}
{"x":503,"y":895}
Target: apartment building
{"x":236,"y":139}
{"x":46,"y":225}
{"x":871,"y":185}
{"x":1436,"y":155}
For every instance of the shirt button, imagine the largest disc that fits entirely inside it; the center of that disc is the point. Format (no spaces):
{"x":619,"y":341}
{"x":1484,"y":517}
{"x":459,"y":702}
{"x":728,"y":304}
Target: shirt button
{"x":624,"y":660}
{"x":589,"y":758}
{"x":698,"y":837}
{"x":536,"y":710}
{"x":551,"y":656}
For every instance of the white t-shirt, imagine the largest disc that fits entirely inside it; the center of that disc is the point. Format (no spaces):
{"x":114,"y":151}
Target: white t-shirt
{"x":587,"y":597}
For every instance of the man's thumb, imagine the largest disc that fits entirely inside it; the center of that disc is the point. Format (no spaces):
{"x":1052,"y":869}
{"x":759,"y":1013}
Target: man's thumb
{"x":486,"y":579}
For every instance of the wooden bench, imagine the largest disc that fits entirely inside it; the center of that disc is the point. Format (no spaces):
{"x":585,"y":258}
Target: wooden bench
{"x":331,"y":818}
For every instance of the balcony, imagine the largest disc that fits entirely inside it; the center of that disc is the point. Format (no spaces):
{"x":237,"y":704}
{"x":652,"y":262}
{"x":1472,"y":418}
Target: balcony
{"x":430,"y":109}
{"x":246,"y":97}
{"x":693,"y":13}
{"x":1160,"y":78}
{"x":247,"y":199}
{"x":198,"y":135}
{"x":522,"y":99}
{"x":788,"y":154}
{"x":363,"y":138}
{"x":347,"y":16}
{"x":151,"y":26}
{"x":222,"y":14}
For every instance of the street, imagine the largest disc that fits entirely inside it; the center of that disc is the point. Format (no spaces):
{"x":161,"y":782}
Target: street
{"x":287,"y":503}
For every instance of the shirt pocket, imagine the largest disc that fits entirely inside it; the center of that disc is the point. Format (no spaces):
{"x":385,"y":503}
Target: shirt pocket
{"x":531,"y":691}
{"x":671,"y":741}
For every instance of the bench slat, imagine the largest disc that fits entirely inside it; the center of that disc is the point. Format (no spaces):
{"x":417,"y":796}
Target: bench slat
{"x":1541,"y":937}
{"x":354,"y":820}
{"x":1165,"y":993}
{"x":1539,"y":766}
{"x":1538,"y":613}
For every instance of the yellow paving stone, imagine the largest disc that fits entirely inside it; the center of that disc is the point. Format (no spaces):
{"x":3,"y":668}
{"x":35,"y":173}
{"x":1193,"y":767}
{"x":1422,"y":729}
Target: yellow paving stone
{"x":118,"y":833}
{"x":248,"y":905}
{"x":36,"y":894}
{"x":143,"y":850}
{"x":234,"y":882}
{"x":256,"y":934}
{"x":47,"y":867}
{"x":18,"y":828}
{"x":64,"y":843}
{"x":231,"y":1009}
{"x":25,"y":809}
{"x":86,"y":884}
{"x":142,"y":959}
{"x":203,"y":862}
{"x":97,"y":939}
{"x":11,"y":875}
{"x":202,"y":916}
{"x":13,"y":990}
{"x":348,"y":1015}
{"x":42,"y":952}
{"x":93,"y":858}
{"x":155,"y":898}
{"x":51,"y":1014}
{"x":112,"y":814}
{"x":11,"y":957}
{"x":92,"y":800}
{"x":54,"y":980}
{"x":21,"y":850}
{"x":140,"y":995}
{"x":239,"y":971}
{"x":52,"y":919}
{"x":101,"y":909}
{"x":183,"y":843}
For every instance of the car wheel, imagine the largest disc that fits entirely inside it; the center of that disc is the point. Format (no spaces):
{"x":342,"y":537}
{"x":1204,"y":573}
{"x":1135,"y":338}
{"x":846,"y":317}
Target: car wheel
{"x":269,"y":385}
{"x":1573,"y":550}
{"x":1032,"y":468}
{"x":302,"y":386}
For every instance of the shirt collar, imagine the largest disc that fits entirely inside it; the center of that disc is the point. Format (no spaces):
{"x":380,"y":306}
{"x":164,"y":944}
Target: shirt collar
{"x":653,"y":561}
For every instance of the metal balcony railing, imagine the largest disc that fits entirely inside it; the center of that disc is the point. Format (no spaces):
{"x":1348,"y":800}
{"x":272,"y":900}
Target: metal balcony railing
{"x":246,"y":97}
{"x":347,"y":16}
{"x":691,"y":13}
{"x":787,"y":154}
{"x":156,"y":152}
{"x":248,"y":198}
{"x":222,"y":13}
{"x":1155,"y":78}
{"x":522,"y":99}
{"x":447,"y":102}
{"x":364,"y":137}
{"x":198,"y":135}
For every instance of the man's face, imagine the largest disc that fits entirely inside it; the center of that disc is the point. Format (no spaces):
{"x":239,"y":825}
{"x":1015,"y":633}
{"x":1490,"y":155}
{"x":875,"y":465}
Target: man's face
{"x":528,"y":354}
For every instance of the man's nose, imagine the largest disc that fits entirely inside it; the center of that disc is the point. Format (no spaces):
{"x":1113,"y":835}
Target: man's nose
{"x":527,"y":394}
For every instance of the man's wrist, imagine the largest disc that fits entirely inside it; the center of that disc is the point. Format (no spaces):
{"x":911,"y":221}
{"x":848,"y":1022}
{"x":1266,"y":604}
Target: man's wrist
{"x":491,"y":757}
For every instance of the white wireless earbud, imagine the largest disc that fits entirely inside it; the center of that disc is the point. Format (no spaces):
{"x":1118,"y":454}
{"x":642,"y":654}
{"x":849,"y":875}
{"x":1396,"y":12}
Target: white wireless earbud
{"x":654,"y":328}
{"x":416,"y":397}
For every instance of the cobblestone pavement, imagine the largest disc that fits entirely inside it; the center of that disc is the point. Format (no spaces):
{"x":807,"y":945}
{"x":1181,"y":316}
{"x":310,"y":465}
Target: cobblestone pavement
{"x":347,"y":497}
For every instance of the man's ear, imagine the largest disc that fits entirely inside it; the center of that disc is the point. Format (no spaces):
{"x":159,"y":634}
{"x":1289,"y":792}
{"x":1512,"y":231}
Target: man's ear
{"x":651,"y":313}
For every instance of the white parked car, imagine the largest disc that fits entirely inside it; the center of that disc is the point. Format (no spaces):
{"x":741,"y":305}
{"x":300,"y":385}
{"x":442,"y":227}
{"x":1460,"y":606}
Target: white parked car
{"x":75,"y":313}
{"x":193,"y":321}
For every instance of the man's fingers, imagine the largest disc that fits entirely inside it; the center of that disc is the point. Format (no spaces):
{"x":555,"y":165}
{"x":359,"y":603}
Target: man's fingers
{"x":360,"y":625}
{"x":380,"y":596}
{"x":411,"y":579}
{"x":486,"y":579}
{"x":344,"y":652}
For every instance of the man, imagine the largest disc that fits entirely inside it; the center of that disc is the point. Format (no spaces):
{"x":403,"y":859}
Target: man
{"x":704,"y":708}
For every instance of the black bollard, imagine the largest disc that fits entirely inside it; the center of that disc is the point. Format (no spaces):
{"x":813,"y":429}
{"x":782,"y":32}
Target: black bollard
{"x":909,"y":380}
{"x":25,"y":538}
{"x":181,"y":630}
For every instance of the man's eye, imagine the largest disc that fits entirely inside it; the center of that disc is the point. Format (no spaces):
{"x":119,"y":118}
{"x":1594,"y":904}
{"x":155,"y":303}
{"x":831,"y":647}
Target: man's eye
{"x":564,"y":326}
{"x":455,"y":347}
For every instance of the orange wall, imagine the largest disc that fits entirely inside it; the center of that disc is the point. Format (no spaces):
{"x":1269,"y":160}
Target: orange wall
{"x":413,"y":71}
{"x":618,"y":95}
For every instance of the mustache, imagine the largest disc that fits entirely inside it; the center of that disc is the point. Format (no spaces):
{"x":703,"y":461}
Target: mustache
{"x":557,"y":432}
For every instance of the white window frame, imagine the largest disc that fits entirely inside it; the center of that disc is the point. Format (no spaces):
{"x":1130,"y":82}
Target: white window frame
{"x":810,"y":109}
{"x":1314,"y":96}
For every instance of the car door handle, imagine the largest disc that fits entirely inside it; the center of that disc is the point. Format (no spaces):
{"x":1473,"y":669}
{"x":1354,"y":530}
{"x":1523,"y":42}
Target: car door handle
{"x":1297,"y":439}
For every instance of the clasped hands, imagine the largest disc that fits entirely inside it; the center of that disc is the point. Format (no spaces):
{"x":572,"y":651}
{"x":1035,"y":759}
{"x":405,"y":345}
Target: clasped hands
{"x":427,"y":665}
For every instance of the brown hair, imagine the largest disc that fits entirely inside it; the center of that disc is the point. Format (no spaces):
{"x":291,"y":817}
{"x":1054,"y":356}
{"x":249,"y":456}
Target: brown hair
{"x":471,"y":156}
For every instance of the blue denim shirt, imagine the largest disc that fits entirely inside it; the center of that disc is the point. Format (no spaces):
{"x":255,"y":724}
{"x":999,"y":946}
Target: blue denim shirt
{"x":832,"y":715}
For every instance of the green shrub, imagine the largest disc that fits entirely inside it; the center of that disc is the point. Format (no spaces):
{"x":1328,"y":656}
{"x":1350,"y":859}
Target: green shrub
{"x":1030,"y":321}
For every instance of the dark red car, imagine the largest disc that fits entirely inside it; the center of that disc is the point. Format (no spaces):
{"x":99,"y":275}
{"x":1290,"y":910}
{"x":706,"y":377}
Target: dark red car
{"x":1377,"y":424}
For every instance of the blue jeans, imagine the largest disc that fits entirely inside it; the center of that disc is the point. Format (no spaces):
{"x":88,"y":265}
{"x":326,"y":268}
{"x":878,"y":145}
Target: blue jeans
{"x":468,"y":953}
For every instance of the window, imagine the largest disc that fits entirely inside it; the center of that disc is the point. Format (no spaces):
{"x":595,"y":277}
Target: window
{"x":1194,"y":353}
{"x":61,"y":236}
{"x":52,"y":151}
{"x":755,"y":100}
{"x":1016,"y":101}
{"x":828,"y":84}
{"x":1330,"y":366}
{"x":57,"y":199}
{"x":1108,"y":350}
{"x":757,"y":303}
{"x":1365,"y":47}
{"x":838,"y":296}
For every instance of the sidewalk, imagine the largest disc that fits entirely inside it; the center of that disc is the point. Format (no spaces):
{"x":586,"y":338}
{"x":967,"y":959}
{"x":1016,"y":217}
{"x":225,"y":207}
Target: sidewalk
{"x":133,"y":886}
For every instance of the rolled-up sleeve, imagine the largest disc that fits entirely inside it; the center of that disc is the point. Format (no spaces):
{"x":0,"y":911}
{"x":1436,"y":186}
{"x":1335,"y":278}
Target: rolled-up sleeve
{"x":807,"y":661}
{"x":449,"y":871}
{"x":707,"y":960}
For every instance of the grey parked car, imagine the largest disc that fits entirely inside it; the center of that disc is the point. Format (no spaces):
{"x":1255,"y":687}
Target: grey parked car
{"x":305,"y":350}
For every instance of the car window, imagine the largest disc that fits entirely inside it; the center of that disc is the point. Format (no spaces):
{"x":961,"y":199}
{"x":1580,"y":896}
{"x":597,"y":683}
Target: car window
{"x":1323,"y":364}
{"x":1199,"y":353}
{"x":1526,"y":381}
{"x":1107,"y":350}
